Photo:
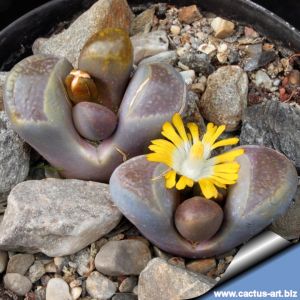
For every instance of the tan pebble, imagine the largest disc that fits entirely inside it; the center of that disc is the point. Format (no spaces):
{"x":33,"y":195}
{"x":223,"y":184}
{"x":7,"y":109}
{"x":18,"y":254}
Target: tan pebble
{"x":175,"y":30}
{"x":189,"y":14}
{"x":202,"y":266}
{"x":222,"y":47}
{"x":117,"y":237}
{"x":250,"y":32}
{"x":76,"y":292}
{"x":181,"y":51}
{"x":268,"y":47}
{"x":75,"y":283}
{"x":208,"y":49}
{"x":177,"y":261}
{"x":294,"y":77}
{"x":198,"y":87}
{"x":183,"y":66}
{"x":222,"y":27}
{"x":222,"y":57}
{"x":51,"y":268}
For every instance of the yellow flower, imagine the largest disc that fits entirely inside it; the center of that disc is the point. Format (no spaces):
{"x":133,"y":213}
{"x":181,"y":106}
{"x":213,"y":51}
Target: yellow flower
{"x":188,"y":156}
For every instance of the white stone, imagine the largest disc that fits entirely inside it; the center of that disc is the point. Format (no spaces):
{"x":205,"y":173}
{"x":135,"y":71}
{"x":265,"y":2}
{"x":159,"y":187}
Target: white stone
{"x":208,"y":49}
{"x":56,"y":289}
{"x":76,"y":292}
{"x":188,"y":76}
{"x":149,"y":44}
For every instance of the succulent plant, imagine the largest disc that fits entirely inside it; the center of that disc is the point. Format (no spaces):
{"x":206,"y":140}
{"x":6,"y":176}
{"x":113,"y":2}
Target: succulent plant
{"x":40,"y":111}
{"x":108,"y":57}
{"x":265,"y":187}
{"x":93,"y":121}
{"x":198,"y":219}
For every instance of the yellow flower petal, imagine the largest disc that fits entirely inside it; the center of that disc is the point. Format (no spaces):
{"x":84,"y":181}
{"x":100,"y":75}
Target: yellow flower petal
{"x":170,"y":179}
{"x":208,"y":189}
{"x":164,"y":143}
{"x":210,"y":131}
{"x":226,"y":142}
{"x":222,"y":180}
{"x":216,"y":135}
{"x":228,"y":156}
{"x":160,"y":158}
{"x":170,"y":133}
{"x":218,"y":184}
{"x":232,"y":167}
{"x":177,"y":121}
{"x":194,"y":131}
{"x":182,"y":183}
{"x":227,"y":176}
{"x":197,"y":150}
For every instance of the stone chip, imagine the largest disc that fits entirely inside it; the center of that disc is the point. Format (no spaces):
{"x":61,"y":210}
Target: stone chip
{"x":57,"y":216}
{"x":160,"y":280}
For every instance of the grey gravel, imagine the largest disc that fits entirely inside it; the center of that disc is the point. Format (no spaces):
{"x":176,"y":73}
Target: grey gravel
{"x":20,"y":263}
{"x":17,"y":283}
{"x":99,"y":286}
{"x":160,"y":280}
{"x":36,"y":271}
{"x":273,"y":124}
{"x":225,"y":98}
{"x":14,"y":156}
{"x":57,"y":216}
{"x":126,"y":257}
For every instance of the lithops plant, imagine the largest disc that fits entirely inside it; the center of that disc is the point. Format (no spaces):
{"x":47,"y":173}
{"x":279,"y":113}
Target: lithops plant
{"x":40,"y":110}
{"x":108,"y":57}
{"x":93,"y":121}
{"x":261,"y":183}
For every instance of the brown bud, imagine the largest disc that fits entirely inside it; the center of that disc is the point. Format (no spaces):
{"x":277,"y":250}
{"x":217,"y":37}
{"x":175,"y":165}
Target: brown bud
{"x":81,"y":87}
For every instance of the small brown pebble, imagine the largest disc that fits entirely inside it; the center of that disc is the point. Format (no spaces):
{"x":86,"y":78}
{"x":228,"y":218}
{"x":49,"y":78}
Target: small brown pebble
{"x":117,"y":237}
{"x":294,"y":77}
{"x":51,"y":268}
{"x":198,"y":87}
{"x":202,"y":266}
{"x":177,"y":261}
{"x":189,"y":14}
{"x":250,"y":32}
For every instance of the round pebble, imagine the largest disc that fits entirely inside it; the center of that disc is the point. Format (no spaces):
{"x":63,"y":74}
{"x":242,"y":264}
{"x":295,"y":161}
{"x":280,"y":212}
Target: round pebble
{"x":100,"y":287}
{"x":17,"y":283}
{"x":76,"y":292}
{"x":175,"y":29}
{"x":132,"y":257}
{"x":56,"y":289}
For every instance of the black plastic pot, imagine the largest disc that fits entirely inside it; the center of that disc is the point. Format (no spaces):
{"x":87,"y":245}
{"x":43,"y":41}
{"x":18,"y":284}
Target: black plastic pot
{"x":17,"y":38}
